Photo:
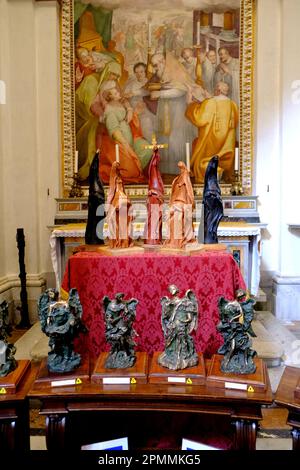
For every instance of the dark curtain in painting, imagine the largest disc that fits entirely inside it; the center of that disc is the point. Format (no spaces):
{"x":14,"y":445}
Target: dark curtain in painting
{"x":102,"y":17}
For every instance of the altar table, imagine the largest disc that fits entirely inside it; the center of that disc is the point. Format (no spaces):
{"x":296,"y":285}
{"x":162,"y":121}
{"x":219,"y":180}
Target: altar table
{"x":147,"y":277}
{"x":285,"y":397}
{"x":14,"y":416}
{"x":153,"y":416}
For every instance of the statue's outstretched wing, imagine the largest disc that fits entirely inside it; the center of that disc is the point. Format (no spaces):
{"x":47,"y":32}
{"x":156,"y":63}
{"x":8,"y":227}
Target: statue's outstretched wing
{"x":43,"y":306}
{"x":105,"y":302}
{"x":74,"y":304}
{"x":248,"y":312}
{"x":222,"y":302}
{"x":131,"y":305}
{"x":193,"y":308}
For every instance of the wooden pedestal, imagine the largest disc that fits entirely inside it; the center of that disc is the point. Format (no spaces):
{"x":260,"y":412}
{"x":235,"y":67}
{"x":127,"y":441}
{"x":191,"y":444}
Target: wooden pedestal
{"x":189,"y":376}
{"x":136,"y":374}
{"x":297,"y":390}
{"x":46,"y":379}
{"x":9,"y":383}
{"x":102,"y":249}
{"x":256,"y":382}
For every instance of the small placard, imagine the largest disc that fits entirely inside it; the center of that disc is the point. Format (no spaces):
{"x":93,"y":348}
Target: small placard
{"x":63,"y":383}
{"x":114,"y":444}
{"x":236,"y":386}
{"x":176,"y":380}
{"x":116,"y":380}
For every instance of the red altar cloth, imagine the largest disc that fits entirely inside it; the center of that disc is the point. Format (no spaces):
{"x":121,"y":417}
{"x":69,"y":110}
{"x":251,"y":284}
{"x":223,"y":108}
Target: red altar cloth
{"x":147,"y":277}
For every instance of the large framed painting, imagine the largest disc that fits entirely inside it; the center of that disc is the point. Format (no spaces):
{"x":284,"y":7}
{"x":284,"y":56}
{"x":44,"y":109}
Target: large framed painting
{"x":176,"y":72}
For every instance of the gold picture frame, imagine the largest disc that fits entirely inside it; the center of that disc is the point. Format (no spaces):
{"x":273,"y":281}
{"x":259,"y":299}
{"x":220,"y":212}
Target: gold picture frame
{"x":247,"y":48}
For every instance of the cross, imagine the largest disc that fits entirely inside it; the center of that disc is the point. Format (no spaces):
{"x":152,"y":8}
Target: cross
{"x":154,"y":145}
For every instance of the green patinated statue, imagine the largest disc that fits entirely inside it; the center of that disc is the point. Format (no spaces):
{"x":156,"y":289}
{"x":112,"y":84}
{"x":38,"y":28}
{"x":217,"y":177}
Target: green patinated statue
{"x":179,"y":319}
{"x":119,"y":316}
{"x":235,"y":326}
{"x":7,"y":350}
{"x":61,"y":321}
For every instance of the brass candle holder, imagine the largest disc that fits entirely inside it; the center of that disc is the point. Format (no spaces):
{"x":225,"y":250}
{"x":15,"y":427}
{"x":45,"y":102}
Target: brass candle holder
{"x":198,"y":70}
{"x":236,"y":187}
{"x":76,"y":190}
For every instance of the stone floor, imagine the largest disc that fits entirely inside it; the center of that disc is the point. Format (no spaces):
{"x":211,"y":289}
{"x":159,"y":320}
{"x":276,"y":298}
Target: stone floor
{"x":274,"y":343}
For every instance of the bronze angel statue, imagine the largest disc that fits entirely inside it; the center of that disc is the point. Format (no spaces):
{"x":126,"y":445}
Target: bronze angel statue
{"x":62,"y":322}
{"x":179,"y":319}
{"x":235,"y":326}
{"x":119,"y":316}
{"x":8,"y":362}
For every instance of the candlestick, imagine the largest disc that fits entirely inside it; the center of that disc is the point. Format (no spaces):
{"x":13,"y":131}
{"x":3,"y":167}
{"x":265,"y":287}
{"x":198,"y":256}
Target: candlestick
{"x":117,"y":153}
{"x":198,"y":33}
{"x":149,"y":35}
{"x":187,"y":151}
{"x":236,"y":159}
{"x":76,"y":162}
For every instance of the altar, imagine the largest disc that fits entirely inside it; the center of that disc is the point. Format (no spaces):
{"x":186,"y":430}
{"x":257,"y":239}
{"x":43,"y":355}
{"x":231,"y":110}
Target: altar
{"x":146,"y":277}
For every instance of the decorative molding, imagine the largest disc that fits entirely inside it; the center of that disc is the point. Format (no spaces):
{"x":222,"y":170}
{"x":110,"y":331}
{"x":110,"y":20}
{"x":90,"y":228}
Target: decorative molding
{"x":11,"y":281}
{"x":247,"y":49}
{"x":67,"y":94}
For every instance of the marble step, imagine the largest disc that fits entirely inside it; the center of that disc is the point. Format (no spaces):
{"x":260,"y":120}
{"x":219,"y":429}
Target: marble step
{"x":284,"y":338}
{"x":33,"y":345}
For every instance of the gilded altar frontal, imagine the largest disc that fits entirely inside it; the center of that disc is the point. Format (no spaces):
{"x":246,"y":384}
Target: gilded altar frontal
{"x":178,"y":71}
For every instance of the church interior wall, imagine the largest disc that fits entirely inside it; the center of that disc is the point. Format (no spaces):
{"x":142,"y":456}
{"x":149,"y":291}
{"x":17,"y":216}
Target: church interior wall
{"x":30,"y":145}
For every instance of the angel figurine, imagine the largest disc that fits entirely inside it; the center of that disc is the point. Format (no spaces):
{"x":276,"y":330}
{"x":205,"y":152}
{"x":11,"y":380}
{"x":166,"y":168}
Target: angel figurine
{"x":62,"y":322}
{"x":179,"y":319}
{"x":235,"y":326}
{"x":119,"y":316}
{"x":7,"y":350}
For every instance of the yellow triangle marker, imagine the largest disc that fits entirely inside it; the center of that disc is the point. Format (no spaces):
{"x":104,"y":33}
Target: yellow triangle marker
{"x":132,"y":380}
{"x":250,"y":389}
{"x":2,"y":391}
{"x":78,"y":381}
{"x":189,"y":381}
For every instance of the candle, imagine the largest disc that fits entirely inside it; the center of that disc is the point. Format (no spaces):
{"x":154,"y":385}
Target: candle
{"x":187,"y":151}
{"x":117,"y":154}
{"x":76,"y":162}
{"x":149,"y":35}
{"x":236,"y":159}
{"x":198,"y":33}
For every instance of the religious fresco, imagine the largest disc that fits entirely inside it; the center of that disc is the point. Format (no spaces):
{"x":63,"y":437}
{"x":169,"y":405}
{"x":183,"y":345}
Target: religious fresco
{"x":171,"y":71}
{"x":180,"y":71}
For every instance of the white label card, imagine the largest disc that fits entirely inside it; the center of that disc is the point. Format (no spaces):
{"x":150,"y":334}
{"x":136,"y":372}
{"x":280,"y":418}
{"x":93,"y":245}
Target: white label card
{"x":116,"y":380}
{"x":61,"y":383}
{"x":236,"y":386}
{"x":176,"y":380}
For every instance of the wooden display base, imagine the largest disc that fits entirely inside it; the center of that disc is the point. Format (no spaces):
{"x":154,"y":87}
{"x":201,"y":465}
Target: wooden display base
{"x":129,"y":376}
{"x":256,"y":382}
{"x":189,"y":376}
{"x":214,"y":247}
{"x":169,"y":250}
{"x":131,"y":250}
{"x":297,"y":391}
{"x":9,"y":384}
{"x":152,"y":248}
{"x":92,"y":249}
{"x":46,"y":379}
{"x":193,"y":248}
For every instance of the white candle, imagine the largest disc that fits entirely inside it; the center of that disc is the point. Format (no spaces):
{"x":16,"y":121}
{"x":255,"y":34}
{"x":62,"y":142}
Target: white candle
{"x":236,"y":159}
{"x":76,"y":162}
{"x":198,"y":33}
{"x":187,"y":151}
{"x":149,"y":35}
{"x":117,"y":153}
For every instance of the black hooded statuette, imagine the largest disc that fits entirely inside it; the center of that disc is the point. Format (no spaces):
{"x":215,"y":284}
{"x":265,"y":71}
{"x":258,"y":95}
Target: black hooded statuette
{"x":212,"y":202}
{"x":96,"y":201}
